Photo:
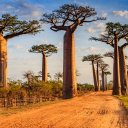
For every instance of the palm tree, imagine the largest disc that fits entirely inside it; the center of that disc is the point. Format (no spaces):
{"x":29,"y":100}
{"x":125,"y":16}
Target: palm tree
{"x":46,"y":51}
{"x":68,"y":18}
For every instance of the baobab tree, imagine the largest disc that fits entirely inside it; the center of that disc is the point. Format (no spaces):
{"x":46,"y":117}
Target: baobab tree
{"x":46,"y":51}
{"x":122,"y":65}
{"x":106,"y":73}
{"x":103,"y":67}
{"x":114,"y":33}
{"x":93,"y":58}
{"x":68,"y":18}
{"x":11,"y":27}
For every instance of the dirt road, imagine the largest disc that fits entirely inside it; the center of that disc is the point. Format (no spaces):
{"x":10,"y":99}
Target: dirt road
{"x":96,"y":110}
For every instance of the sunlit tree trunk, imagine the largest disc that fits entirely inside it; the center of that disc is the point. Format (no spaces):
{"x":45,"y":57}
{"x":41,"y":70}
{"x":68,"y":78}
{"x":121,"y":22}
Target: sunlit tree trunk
{"x":106,"y":86}
{"x":116,"y":72}
{"x":44,"y":68}
{"x":94,"y":76}
{"x":3,"y":61}
{"x":98,"y":76}
{"x":103,"y":81}
{"x":123,"y":72}
{"x":69,"y":68}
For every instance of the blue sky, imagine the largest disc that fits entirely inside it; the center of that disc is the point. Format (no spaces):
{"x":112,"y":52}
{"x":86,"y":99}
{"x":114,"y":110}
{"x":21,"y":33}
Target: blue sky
{"x":20,"y":60}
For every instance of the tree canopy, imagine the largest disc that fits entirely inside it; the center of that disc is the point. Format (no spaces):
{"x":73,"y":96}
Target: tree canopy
{"x":68,"y":15}
{"x":14,"y":27}
{"x":44,"y":48}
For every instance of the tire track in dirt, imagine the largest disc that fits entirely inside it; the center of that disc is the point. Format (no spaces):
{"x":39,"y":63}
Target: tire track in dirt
{"x":96,"y":110}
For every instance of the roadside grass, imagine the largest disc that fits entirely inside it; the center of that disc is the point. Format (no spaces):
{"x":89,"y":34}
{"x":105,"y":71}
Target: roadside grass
{"x":17,"y":109}
{"x":124,"y":100}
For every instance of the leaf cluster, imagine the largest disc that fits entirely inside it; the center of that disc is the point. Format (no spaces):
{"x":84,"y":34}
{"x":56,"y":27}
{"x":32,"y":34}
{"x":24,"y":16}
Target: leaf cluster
{"x":70,"y":13}
{"x":14,"y":27}
{"x":44,"y":48}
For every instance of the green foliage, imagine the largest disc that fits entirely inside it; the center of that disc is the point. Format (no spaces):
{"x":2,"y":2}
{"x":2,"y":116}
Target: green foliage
{"x":124,"y":99}
{"x":14,"y":27}
{"x":85,"y":87}
{"x":58,"y":75}
{"x":110,"y":86}
{"x":44,"y":48}
{"x":92,"y":57}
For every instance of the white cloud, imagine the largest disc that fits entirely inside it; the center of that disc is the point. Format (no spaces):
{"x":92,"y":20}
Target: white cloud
{"x":44,"y":42}
{"x":80,"y":3}
{"x":10,"y":50}
{"x":16,"y":46}
{"x":100,"y":25}
{"x":60,"y":43}
{"x":104,"y":14}
{"x":92,"y":49}
{"x":77,"y":39}
{"x":121,"y":13}
{"x":80,"y":49}
{"x":91,"y":30}
{"x":9,"y":7}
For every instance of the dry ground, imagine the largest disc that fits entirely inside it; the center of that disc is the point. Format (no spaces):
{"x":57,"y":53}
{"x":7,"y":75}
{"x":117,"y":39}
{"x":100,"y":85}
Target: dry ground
{"x":95,"y":110}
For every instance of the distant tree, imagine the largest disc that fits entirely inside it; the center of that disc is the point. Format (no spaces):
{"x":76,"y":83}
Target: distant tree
{"x":46,"y":51}
{"x":68,"y":18}
{"x":114,"y":33}
{"x":11,"y":27}
{"x":58,"y":76}
{"x":92,"y":58}
{"x":103,"y":67}
{"x":29,"y":76}
{"x":106,"y":73}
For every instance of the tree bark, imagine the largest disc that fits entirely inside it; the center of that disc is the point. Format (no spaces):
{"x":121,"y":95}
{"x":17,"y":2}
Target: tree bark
{"x":103,"y":81}
{"x":94,"y":76}
{"x":44,"y":68}
{"x":98,"y":76}
{"x":106,"y":86}
{"x":3,"y":61}
{"x":116,"y":72}
{"x":123,"y":72}
{"x":69,"y":68}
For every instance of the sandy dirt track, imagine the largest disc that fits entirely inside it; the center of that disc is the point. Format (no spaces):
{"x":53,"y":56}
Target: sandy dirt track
{"x":95,"y":110}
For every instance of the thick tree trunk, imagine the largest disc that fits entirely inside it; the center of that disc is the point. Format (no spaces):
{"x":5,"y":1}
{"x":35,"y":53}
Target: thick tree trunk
{"x":44,"y":68}
{"x":94,"y":76}
{"x":69,"y":68}
{"x":116,"y":72}
{"x":3,"y":62}
{"x":103,"y":81}
{"x":106,"y":86}
{"x":123,"y":72}
{"x":98,"y":76}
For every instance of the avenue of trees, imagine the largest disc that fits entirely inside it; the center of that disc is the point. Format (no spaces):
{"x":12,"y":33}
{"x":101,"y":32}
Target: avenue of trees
{"x":68,"y":17}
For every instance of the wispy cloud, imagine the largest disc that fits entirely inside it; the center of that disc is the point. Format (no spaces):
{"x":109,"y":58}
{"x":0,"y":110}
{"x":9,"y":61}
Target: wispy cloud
{"x":80,"y":3}
{"x":16,"y":46}
{"x":44,"y":42}
{"x":25,"y":10}
{"x":59,"y":43}
{"x":121,"y":13}
{"x":91,"y":30}
{"x":104,"y":14}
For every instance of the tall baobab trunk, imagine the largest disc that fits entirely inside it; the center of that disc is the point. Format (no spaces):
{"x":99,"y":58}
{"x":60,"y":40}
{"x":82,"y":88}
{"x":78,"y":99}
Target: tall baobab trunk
{"x":94,"y":76}
{"x":103,"y":81}
{"x":116,"y":71}
{"x":98,"y":76}
{"x":44,"y":68}
{"x":69,"y":68}
{"x":123,"y":72}
{"x":3,"y":61}
{"x":106,"y":86}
